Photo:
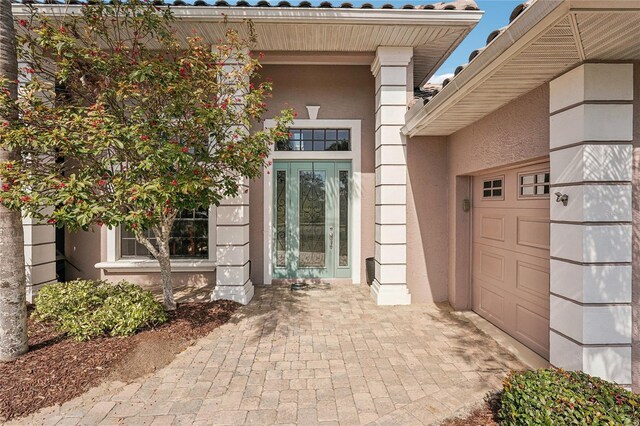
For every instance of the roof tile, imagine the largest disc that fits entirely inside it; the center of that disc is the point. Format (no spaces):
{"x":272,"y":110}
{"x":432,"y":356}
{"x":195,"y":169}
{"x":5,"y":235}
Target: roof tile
{"x":453,"y":5}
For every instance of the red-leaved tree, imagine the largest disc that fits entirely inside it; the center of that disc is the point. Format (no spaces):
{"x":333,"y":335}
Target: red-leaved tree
{"x":121,"y":123}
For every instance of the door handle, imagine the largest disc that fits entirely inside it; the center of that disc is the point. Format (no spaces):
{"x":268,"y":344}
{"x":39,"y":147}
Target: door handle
{"x":331,"y":237}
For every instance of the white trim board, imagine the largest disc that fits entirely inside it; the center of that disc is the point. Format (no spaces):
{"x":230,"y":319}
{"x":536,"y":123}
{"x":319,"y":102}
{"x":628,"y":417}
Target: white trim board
{"x":355,"y":155}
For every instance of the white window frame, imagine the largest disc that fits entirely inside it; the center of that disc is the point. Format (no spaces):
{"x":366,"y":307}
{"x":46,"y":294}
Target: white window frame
{"x":534,"y":185}
{"x":502,"y":188}
{"x":115,"y":261}
{"x":355,"y":155}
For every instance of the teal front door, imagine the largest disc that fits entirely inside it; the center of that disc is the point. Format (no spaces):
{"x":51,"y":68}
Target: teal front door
{"x":312,"y":218}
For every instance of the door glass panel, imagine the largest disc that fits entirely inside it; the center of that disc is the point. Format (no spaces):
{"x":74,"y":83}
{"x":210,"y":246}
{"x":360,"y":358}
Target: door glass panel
{"x":281,"y":217}
{"x":343,"y":255}
{"x":312,"y":214}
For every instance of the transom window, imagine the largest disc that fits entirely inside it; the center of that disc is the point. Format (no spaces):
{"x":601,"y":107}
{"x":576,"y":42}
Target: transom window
{"x":534,"y":184}
{"x":316,"y":140}
{"x":493,"y":188}
{"x":189,"y":237}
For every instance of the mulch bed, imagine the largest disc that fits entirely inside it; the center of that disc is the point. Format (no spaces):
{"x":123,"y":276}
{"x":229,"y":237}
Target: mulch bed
{"x":483,"y":416}
{"x":57,"y":369}
{"x":486,"y":415}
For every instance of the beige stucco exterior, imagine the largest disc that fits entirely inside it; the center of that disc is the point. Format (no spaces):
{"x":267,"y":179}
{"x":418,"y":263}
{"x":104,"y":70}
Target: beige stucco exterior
{"x":427,"y":219}
{"x":516,"y":133}
{"x":438,"y":172}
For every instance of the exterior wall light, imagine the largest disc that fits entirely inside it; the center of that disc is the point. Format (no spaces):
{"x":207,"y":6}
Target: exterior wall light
{"x":562,"y":198}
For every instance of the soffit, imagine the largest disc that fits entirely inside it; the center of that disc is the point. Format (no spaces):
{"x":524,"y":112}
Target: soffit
{"x":564,"y":35}
{"x":432,"y":33}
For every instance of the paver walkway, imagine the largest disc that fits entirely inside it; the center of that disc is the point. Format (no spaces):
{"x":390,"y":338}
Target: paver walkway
{"x":306,"y":357}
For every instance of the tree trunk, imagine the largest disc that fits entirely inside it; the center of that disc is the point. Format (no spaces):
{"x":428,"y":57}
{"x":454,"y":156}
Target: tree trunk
{"x":165,"y":273}
{"x":162,"y":254}
{"x":13,"y":303}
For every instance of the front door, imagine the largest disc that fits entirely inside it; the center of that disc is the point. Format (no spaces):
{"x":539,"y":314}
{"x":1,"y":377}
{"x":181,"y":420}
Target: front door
{"x":311,"y":219}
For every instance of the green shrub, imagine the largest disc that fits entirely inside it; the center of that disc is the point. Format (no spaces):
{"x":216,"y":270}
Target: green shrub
{"x":558,"y":397}
{"x":85,"y":309}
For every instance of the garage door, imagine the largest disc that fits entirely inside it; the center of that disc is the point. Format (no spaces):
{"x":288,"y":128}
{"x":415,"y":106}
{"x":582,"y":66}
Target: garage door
{"x":511,"y":252}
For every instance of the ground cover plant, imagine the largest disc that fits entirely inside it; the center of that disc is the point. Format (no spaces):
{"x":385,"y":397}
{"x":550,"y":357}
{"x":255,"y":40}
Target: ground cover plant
{"x":554,"y":397}
{"x":558,"y":397}
{"x":84,"y":309}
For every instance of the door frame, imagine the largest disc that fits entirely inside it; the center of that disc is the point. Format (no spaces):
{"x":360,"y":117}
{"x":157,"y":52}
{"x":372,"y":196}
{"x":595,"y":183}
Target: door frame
{"x":332,"y":269}
{"x":355,"y":155}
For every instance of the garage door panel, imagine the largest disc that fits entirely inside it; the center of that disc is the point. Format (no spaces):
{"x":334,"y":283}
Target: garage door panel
{"x":510,"y":197}
{"x":510,"y":258}
{"x":492,"y":227}
{"x":532,"y":329}
{"x":519,"y":230}
{"x":490,"y":304}
{"x":525,"y":279}
{"x":532,"y":232}
{"x":491,"y":265}
{"x":533,"y":279}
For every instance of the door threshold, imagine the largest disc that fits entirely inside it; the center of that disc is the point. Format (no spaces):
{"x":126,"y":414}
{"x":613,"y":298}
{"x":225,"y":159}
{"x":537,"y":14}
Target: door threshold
{"x":331,"y":281}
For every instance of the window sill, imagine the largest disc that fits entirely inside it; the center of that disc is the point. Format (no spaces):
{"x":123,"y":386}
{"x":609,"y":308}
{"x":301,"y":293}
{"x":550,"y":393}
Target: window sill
{"x":151,"y":265}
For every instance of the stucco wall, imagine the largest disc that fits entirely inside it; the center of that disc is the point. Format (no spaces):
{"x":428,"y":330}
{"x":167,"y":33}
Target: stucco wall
{"x":343,"y":92}
{"x":427,"y":234}
{"x":516,"y":133}
{"x":86,"y":248}
{"x":635,"y":296}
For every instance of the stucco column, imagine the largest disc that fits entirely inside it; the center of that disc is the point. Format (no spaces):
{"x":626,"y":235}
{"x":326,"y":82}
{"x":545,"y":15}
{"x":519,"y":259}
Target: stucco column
{"x":232,"y":228}
{"x":390,"y":70}
{"x":39,"y":255}
{"x":232,"y":249}
{"x":591,"y":129}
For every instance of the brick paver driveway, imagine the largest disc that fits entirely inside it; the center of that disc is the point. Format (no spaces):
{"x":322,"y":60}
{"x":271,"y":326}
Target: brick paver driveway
{"x":317,"y":356}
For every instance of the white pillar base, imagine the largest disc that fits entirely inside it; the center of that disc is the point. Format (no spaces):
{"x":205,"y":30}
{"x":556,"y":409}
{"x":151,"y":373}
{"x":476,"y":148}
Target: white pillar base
{"x":239,"y":293}
{"x":390,"y":294}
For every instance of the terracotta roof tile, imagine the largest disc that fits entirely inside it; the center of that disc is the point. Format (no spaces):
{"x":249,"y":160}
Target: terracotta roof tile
{"x":453,"y":5}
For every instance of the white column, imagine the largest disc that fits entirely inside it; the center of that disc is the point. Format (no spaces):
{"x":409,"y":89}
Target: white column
{"x":39,"y":255}
{"x":232,"y":232}
{"x":232,"y":249}
{"x":591,"y":129}
{"x":390,"y":70}
{"x":39,"y":247}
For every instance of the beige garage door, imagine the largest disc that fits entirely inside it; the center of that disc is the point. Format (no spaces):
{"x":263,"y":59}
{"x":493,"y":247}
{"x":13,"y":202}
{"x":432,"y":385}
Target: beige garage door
{"x":511,"y":252}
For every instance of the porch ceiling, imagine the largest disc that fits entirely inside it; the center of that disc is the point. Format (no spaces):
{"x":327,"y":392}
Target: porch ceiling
{"x":547,"y":39}
{"x":433,"y":33}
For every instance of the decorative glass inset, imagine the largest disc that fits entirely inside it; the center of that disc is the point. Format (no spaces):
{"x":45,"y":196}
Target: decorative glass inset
{"x":189,"y":237}
{"x":343,"y":248}
{"x":316,"y":140}
{"x":281,"y":218}
{"x":534,"y":184}
{"x":312,"y":219}
{"x":492,"y":188}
